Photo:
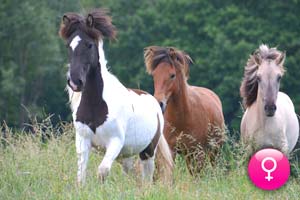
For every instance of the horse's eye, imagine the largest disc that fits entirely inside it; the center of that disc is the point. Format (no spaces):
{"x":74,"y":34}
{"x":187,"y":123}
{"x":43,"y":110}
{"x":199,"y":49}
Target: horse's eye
{"x":278,"y":78}
{"x":172,"y":76}
{"x":89,"y":45}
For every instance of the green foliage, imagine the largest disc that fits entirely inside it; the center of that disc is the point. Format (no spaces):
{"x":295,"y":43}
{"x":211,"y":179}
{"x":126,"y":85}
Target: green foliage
{"x":32,"y":73}
{"x":219,"y":36}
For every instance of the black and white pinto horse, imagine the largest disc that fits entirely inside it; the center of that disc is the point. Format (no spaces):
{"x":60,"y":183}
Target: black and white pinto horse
{"x":105,"y":113}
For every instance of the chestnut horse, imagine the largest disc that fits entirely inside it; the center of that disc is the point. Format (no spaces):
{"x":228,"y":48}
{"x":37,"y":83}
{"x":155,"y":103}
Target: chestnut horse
{"x":270,"y":119}
{"x":193,"y":115}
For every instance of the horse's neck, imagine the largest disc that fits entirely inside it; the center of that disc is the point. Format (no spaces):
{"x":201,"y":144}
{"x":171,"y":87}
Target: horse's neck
{"x":178,"y":103}
{"x":112,"y":85}
{"x":93,"y":88}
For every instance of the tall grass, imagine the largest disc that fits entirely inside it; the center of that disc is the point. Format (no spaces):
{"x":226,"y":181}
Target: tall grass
{"x":34,"y":168}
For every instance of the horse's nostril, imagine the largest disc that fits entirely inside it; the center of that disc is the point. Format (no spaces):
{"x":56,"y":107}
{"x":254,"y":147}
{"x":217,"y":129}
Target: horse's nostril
{"x":80,"y":83}
{"x":270,"y":107}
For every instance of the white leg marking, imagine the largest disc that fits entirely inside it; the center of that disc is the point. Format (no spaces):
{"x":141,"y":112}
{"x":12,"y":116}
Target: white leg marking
{"x":75,"y":42}
{"x":148,"y":169}
{"x":83,"y":146}
{"x":112,"y":151}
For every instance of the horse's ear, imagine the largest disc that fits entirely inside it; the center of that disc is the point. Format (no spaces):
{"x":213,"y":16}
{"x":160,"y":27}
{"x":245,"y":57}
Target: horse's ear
{"x":148,"y":57}
{"x":66,"y":20}
{"x":148,"y":49}
{"x":148,"y":52}
{"x":90,"y":21}
{"x":172,"y":53}
{"x":100,"y":20}
{"x":281,"y":58}
{"x":188,"y":59}
{"x":257,"y":59}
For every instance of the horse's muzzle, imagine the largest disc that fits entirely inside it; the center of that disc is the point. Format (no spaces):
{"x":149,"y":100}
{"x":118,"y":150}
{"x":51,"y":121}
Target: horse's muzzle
{"x":75,"y":87}
{"x":270,"y":110}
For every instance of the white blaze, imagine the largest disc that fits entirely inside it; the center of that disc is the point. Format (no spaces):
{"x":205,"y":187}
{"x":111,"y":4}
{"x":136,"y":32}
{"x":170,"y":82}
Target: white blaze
{"x":75,"y":42}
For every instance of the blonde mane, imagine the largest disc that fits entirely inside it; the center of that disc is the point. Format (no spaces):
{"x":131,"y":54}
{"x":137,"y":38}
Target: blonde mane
{"x":155,"y":55}
{"x":249,"y":86}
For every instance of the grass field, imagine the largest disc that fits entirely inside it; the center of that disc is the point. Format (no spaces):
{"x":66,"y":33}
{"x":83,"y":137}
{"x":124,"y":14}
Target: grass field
{"x":32,"y":169}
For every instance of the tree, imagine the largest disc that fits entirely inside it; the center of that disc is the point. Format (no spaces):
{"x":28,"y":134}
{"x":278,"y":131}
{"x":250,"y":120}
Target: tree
{"x":31,"y":71}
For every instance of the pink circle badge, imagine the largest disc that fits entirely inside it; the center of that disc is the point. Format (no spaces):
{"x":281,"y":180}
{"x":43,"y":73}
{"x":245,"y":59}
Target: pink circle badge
{"x":269,"y":169}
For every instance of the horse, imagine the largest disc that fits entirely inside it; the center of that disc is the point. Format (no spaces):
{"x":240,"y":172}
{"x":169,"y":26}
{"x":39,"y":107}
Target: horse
{"x":270,"y":120}
{"x":105,"y":113}
{"x":193,"y":115}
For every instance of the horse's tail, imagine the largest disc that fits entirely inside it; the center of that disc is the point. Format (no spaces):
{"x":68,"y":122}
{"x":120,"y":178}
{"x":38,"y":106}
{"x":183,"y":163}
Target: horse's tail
{"x":164,"y":160}
{"x":164,"y":157}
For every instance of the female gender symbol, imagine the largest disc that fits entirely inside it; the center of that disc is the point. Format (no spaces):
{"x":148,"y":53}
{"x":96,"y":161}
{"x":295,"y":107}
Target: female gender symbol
{"x":269,"y":177}
{"x":269,"y":161}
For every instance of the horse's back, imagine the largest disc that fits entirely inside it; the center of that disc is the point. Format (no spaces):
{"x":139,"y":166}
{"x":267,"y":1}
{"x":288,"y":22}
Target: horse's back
{"x":286,"y":107}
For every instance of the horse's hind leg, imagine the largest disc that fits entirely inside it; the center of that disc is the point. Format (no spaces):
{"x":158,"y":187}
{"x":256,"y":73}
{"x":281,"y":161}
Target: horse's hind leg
{"x":128,"y":165}
{"x":148,"y":167}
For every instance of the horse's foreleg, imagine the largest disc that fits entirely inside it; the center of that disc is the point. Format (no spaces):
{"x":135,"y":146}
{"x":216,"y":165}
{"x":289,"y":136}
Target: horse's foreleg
{"x":83,"y":146}
{"x":285,"y":146}
{"x":112,"y":151}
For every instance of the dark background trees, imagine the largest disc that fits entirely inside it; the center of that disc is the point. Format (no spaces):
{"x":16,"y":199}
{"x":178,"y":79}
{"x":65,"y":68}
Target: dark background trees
{"x":218,"y":35}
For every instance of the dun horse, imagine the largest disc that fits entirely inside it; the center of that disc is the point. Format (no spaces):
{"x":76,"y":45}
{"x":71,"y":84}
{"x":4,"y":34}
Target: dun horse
{"x":193,"y":115}
{"x":270,"y":119}
{"x":105,"y":113}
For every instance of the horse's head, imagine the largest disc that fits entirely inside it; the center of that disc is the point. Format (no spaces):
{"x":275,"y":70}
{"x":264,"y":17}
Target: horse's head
{"x":270,"y":71}
{"x":82,"y":35}
{"x":164,"y":77}
{"x":262,"y":77}
{"x":169,"y":68}
{"x":83,"y":58}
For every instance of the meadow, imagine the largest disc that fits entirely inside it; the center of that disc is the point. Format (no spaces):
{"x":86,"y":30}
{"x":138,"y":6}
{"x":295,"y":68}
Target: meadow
{"x":43,"y":166}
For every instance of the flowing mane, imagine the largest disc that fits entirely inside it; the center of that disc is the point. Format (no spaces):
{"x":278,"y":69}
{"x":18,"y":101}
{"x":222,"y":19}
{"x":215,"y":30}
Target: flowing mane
{"x":154,"y":55}
{"x":102,"y":25}
{"x":249,"y":86}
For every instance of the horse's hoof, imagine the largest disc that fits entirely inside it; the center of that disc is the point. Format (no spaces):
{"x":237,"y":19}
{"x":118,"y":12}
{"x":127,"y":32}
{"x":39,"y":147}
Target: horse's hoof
{"x":80,"y":182}
{"x":103,"y":173}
